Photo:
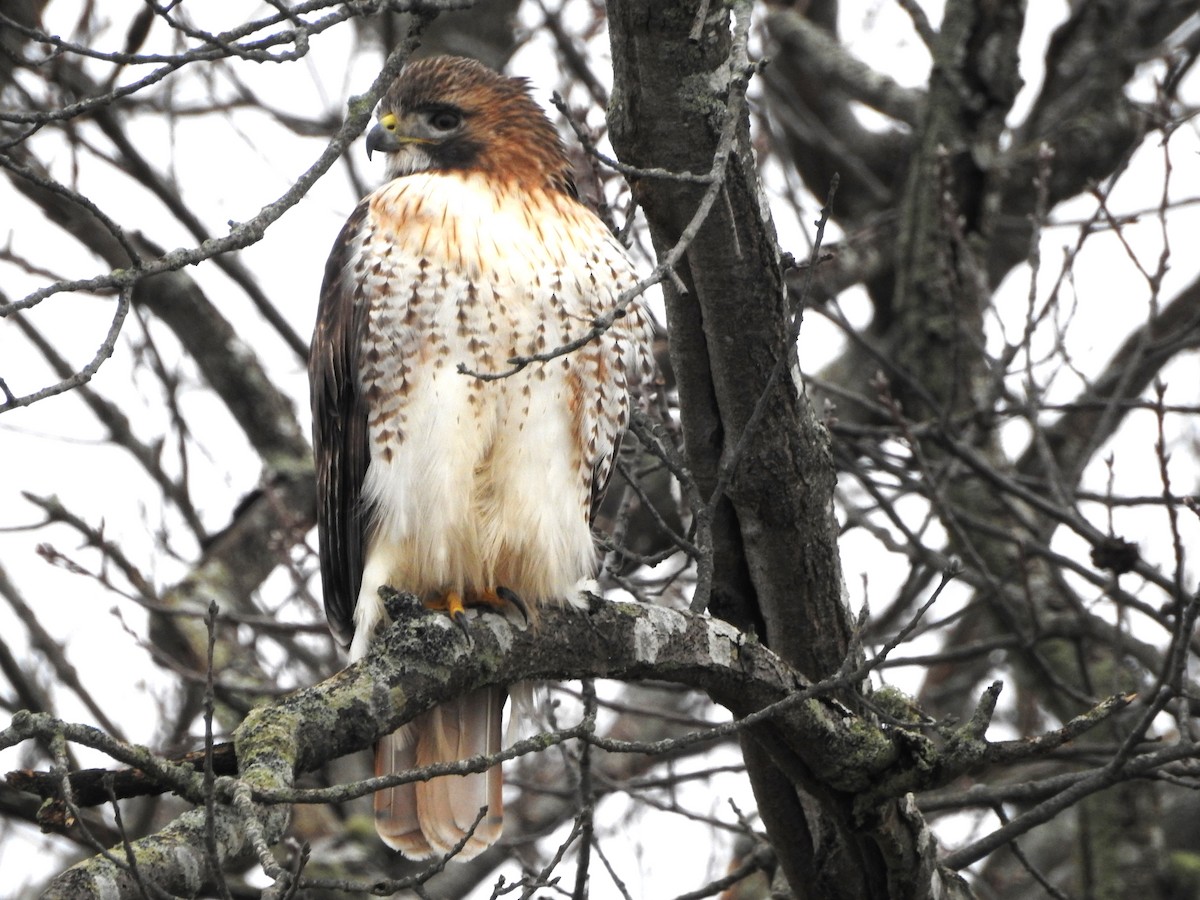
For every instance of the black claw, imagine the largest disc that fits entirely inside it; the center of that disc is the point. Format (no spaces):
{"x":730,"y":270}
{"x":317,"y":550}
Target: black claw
{"x":510,"y":596}
{"x":460,"y":619}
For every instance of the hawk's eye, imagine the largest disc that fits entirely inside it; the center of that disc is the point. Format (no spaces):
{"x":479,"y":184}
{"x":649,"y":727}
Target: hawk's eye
{"x":445,"y":119}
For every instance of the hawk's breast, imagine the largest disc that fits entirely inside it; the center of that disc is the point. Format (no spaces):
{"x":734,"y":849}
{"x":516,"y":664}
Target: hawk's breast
{"x":474,"y":483}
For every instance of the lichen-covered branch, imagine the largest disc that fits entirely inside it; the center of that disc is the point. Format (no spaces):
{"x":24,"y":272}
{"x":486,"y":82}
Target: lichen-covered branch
{"x":426,"y":660}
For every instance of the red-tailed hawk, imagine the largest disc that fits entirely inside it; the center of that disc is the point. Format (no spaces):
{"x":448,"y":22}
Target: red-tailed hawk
{"x":476,"y":250}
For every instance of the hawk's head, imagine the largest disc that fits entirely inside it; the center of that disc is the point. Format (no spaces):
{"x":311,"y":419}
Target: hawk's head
{"x":451,"y":114}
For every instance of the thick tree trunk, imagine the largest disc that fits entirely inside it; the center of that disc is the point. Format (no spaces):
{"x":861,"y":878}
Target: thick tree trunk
{"x":748,"y":426}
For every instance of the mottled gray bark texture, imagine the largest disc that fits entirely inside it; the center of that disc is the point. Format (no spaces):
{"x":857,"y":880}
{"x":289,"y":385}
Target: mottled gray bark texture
{"x":427,"y":659}
{"x":776,"y":568}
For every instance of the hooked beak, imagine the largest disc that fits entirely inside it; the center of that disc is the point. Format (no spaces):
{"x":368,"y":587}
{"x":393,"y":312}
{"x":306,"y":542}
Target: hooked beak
{"x":383,"y":137}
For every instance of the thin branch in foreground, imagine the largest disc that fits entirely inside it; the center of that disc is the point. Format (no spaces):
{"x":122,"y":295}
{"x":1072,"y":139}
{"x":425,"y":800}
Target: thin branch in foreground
{"x":1029,"y":867}
{"x":1070,"y":795}
{"x":587,"y":802}
{"x":210,"y":794}
{"x":84,"y":375}
{"x":386,"y":887}
{"x":542,"y":879}
{"x":147,"y":890}
{"x":616,"y":165}
{"x":760,"y":859}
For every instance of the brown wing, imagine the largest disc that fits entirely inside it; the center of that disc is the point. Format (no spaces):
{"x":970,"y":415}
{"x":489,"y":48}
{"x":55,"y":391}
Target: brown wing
{"x":340,"y":447}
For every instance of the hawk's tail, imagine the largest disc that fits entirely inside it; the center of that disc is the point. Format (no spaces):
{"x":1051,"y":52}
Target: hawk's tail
{"x":427,"y":818}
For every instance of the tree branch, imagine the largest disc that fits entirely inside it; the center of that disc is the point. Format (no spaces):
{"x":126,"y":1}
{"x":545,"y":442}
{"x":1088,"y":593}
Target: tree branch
{"x":425,"y":660}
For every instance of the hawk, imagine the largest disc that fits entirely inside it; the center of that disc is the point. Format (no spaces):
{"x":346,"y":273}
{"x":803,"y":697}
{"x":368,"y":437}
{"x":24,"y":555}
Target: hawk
{"x":462,"y":490}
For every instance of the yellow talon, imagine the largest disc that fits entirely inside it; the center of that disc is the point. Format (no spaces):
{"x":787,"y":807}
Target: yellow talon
{"x":498,"y":599}
{"x":455,"y":605}
{"x":450,"y":602}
